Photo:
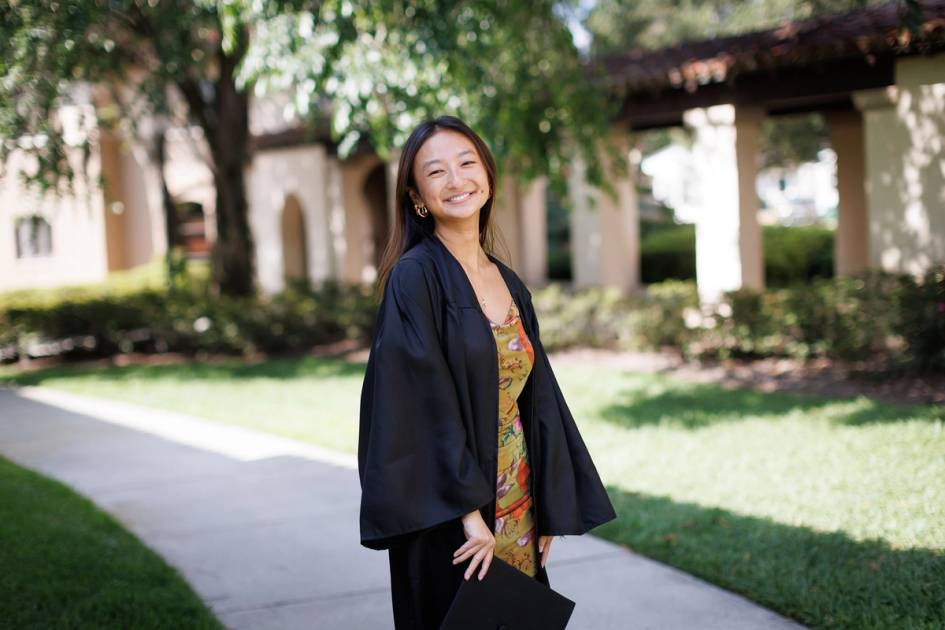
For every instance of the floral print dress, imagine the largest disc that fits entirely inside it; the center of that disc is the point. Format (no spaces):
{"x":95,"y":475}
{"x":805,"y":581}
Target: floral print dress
{"x":516,"y":539}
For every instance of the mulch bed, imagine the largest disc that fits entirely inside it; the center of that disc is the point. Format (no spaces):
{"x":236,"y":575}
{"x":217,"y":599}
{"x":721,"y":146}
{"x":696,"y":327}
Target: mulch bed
{"x":818,"y":376}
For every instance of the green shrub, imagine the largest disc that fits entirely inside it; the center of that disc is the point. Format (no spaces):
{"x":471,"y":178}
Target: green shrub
{"x":922,"y":320}
{"x":791,"y":253}
{"x":796,"y":253}
{"x":853,"y":318}
{"x":747,"y":323}
{"x":188,"y":320}
{"x":595,"y":317}
{"x":660,"y":319}
{"x":151,"y":275}
{"x":667,"y":252}
{"x":873,"y":315}
{"x":847,"y":318}
{"x":876,"y":314}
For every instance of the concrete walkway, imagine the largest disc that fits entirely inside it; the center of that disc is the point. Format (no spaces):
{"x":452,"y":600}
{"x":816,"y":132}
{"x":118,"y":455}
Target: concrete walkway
{"x":266,"y":529}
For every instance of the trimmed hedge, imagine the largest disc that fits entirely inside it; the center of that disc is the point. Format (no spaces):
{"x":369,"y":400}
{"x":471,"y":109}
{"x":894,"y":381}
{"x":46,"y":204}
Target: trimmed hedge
{"x":187,"y":320}
{"x":877,"y":314}
{"x":791,"y":254}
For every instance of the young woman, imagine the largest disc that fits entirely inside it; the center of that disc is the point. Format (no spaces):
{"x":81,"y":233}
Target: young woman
{"x":467,"y":449}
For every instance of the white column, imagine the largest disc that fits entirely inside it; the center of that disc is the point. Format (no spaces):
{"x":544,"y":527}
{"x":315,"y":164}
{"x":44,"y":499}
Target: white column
{"x":507,"y":217}
{"x":335,"y":219}
{"x":534,"y":220}
{"x":851,"y":243}
{"x":605,"y":238}
{"x":748,"y":157}
{"x":728,"y":236}
{"x":519,"y":214}
{"x":393,"y":166}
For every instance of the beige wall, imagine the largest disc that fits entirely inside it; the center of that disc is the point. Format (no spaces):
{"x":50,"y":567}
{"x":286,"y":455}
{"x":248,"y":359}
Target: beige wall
{"x":357,"y":262}
{"x":134,"y":225}
{"x":904,"y":128}
{"x":302,"y":172}
{"x":77,"y":225}
{"x":95,"y":228}
{"x":144,"y":232}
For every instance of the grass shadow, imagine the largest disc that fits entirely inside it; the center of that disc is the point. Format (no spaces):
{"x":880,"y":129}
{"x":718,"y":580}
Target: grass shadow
{"x":821,"y":579}
{"x":696,"y":406}
{"x":877,"y":413}
{"x":282,"y":368}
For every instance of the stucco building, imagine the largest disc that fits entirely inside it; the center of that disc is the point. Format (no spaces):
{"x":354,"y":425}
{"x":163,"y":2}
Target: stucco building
{"x":315,"y":215}
{"x":882,"y":93}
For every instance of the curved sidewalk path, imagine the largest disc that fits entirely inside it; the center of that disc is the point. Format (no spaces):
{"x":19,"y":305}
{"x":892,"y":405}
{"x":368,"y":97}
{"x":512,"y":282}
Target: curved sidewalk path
{"x":266,"y":529}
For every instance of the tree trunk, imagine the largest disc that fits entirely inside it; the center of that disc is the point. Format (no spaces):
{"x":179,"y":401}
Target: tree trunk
{"x":233,"y":250}
{"x":167,"y":202}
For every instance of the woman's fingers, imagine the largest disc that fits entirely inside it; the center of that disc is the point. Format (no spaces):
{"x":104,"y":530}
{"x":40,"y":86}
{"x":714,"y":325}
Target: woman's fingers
{"x":544,"y":546}
{"x":468,"y":548}
{"x":466,"y":554}
{"x":469,"y":544}
{"x":483,"y":559}
{"x":480,"y":542}
{"x":472,"y":563}
{"x":485,"y":565}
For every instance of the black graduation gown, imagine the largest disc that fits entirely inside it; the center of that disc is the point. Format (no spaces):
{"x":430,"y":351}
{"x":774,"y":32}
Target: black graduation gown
{"x":428,"y":438}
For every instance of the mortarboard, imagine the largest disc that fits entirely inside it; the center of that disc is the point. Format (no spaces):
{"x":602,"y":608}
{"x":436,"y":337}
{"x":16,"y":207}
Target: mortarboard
{"x":506,"y":599}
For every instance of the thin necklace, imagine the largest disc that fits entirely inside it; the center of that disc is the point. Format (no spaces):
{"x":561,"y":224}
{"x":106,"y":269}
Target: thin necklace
{"x":482,"y":300}
{"x":476,"y":290}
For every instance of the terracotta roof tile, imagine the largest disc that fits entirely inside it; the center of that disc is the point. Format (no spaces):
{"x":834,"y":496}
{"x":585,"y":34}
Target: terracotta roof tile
{"x":866,"y":32}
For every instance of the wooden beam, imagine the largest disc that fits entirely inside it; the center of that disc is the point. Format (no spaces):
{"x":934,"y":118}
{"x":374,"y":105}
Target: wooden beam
{"x":795,"y":90}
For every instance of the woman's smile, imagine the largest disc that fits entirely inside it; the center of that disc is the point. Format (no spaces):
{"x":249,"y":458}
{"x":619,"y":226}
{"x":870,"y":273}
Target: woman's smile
{"x":461,"y":197}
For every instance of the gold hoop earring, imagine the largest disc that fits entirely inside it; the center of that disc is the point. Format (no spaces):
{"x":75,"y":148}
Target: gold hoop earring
{"x":421,"y":210}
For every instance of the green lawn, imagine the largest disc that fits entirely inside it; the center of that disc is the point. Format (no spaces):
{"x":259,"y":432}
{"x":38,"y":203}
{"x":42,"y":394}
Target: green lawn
{"x":831,"y":511}
{"x":66,"y":564}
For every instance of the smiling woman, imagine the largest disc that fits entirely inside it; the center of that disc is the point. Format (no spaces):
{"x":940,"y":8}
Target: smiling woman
{"x":466,"y":450}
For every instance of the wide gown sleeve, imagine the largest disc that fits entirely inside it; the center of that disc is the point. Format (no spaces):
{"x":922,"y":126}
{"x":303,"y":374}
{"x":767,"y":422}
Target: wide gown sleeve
{"x":573,"y":500}
{"x":414,"y":463}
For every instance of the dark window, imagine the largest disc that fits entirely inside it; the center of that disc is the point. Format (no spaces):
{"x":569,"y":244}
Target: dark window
{"x":33,"y":237}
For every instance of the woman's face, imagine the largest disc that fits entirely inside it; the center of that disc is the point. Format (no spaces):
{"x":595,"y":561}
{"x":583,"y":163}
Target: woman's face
{"x":450,"y":177}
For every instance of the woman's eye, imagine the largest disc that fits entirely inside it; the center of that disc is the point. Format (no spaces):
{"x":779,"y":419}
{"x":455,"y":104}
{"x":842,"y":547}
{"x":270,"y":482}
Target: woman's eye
{"x":440,"y":170}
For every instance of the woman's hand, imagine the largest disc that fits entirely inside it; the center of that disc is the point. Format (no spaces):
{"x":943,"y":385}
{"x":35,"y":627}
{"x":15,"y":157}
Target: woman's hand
{"x":544,"y":547}
{"x":480,"y":544}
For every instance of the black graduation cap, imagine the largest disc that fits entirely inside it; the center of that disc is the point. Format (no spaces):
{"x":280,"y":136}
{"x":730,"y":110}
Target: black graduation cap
{"x":506,"y":599}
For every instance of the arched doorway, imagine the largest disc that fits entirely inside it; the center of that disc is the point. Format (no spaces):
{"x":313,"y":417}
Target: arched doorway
{"x":192,"y":230}
{"x":294,"y":250}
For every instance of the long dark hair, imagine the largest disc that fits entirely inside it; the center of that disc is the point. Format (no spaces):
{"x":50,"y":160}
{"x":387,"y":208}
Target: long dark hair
{"x":409,"y":228}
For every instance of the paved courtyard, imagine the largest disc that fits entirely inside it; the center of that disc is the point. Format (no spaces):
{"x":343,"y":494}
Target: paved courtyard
{"x":266,"y":528}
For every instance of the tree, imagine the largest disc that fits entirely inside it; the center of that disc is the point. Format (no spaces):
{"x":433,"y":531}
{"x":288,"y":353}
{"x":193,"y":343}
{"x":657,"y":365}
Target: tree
{"x":617,"y":25}
{"x":509,"y":68}
{"x":143,"y":52}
